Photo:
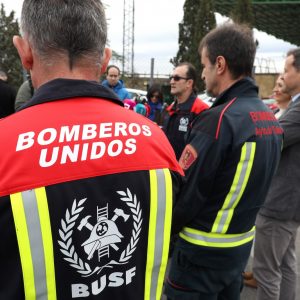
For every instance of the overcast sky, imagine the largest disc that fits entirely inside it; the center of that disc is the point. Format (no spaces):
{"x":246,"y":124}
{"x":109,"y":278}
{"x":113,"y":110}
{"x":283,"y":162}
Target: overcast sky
{"x":156,"y":34}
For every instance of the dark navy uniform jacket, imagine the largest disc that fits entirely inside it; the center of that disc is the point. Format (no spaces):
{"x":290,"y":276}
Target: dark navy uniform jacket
{"x":232,"y":153}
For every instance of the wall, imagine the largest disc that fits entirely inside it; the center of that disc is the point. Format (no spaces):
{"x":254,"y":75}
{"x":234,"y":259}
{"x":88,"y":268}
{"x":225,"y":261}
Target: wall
{"x":266,"y":84}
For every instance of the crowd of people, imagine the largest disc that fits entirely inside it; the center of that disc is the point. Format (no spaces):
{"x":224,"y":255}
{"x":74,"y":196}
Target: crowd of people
{"x":99,"y":192}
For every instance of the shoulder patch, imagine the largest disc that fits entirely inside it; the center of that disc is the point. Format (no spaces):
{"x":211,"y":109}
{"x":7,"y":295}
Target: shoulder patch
{"x":188,"y":156}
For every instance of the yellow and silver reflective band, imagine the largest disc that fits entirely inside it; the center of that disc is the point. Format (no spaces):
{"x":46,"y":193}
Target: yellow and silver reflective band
{"x":159,"y":232}
{"x":33,"y":228}
{"x":217,"y":240}
{"x":237,"y":188}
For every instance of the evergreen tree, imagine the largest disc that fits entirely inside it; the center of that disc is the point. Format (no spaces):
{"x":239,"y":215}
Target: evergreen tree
{"x":10,"y":62}
{"x":116,"y":58}
{"x":198,"y":20}
{"x":242,"y":13}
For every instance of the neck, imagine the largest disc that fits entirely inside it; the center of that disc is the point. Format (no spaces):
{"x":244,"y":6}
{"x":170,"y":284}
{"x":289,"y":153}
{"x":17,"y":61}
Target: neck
{"x":283,"y":105}
{"x":227,"y":82}
{"x":42,"y":73}
{"x":183,"y":97}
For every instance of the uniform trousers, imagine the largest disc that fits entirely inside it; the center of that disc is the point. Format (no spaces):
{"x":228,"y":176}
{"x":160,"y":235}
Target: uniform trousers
{"x":188,"y":281}
{"x":274,"y":265}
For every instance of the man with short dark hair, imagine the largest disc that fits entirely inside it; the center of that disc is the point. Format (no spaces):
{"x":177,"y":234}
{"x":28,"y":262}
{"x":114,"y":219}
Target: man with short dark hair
{"x":231,"y":155}
{"x":274,"y":265}
{"x":114,"y":82}
{"x":7,"y":98}
{"x":82,"y":213}
{"x":181,"y":113}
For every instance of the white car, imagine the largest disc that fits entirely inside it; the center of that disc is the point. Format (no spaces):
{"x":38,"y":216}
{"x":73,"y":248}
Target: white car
{"x":135,"y":93}
{"x":206,"y":98}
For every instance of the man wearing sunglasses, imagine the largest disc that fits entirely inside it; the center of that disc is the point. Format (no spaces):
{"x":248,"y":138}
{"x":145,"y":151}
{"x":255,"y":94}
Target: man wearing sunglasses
{"x":185,"y":107}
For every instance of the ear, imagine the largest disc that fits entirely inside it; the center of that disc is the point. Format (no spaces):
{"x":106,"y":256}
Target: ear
{"x":105,"y":60}
{"x":220,"y":65}
{"x":24,"y":51}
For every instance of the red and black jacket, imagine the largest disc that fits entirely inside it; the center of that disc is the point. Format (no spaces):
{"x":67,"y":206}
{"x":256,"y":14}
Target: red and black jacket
{"x":178,"y":121}
{"x":83,"y":212}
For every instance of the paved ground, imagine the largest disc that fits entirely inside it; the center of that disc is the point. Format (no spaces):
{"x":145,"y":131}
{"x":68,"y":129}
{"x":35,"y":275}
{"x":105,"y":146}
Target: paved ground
{"x":250,"y":293}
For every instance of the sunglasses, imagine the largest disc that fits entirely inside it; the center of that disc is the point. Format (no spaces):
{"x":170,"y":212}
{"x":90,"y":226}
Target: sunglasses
{"x":177,"y":78}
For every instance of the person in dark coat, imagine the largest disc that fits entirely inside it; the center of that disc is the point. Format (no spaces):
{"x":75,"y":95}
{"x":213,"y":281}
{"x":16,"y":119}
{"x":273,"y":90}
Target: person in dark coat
{"x":274,"y":264}
{"x":8,"y":96}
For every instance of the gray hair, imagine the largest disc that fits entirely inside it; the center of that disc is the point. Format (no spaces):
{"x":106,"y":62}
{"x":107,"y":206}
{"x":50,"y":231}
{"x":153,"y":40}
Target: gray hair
{"x":73,"y":28}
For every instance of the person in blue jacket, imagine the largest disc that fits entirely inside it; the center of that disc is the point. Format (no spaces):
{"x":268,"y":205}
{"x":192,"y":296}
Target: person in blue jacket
{"x":114,"y":82}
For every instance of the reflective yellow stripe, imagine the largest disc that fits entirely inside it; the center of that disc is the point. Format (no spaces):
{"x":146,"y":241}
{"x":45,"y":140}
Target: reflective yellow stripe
{"x":24,"y":245}
{"x":151,"y":233}
{"x":32,"y":222}
{"x":217,"y":240}
{"x":43,"y":209}
{"x":159,"y":232}
{"x":237,"y":188}
{"x":166,"y":232}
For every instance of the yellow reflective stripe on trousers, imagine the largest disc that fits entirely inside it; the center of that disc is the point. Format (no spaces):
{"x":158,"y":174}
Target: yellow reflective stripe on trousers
{"x":32,"y":222}
{"x":159,"y":232}
{"x":217,"y":240}
{"x":237,"y":188}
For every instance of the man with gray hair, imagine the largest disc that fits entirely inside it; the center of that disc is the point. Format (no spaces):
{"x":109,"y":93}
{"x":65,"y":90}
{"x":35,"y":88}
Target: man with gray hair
{"x":82,"y":213}
{"x":8,"y":95}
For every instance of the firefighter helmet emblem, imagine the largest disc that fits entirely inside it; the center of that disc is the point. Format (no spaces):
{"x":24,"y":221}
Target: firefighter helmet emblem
{"x":104,"y":236}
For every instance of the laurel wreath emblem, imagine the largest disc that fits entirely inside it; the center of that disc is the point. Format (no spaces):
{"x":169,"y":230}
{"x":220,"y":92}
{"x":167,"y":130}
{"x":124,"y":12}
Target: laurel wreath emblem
{"x":136,"y":210}
{"x":67,"y":228}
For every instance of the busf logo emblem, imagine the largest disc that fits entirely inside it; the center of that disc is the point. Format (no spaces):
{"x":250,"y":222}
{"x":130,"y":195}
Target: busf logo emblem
{"x":183,"y":124}
{"x":104,"y":237}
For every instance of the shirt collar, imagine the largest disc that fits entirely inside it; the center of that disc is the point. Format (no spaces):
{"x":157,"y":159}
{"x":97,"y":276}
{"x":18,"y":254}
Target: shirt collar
{"x":294,"y":98}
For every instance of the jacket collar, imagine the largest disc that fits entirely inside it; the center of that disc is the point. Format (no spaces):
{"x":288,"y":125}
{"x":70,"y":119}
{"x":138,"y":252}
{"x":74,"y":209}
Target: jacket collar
{"x":59,"y":89}
{"x":245,"y":85}
{"x":185,"y":105}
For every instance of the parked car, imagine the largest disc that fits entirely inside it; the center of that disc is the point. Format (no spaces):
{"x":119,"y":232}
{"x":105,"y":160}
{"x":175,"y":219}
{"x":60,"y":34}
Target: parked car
{"x":135,"y":93}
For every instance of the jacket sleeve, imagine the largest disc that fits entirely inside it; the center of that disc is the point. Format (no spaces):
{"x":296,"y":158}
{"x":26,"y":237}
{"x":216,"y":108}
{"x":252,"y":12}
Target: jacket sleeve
{"x":23,"y":95}
{"x":198,"y":180}
{"x":127,"y":95}
{"x":290,"y":123}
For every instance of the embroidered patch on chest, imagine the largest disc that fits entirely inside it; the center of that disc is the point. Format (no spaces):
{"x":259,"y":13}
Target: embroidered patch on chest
{"x":183,"y":124}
